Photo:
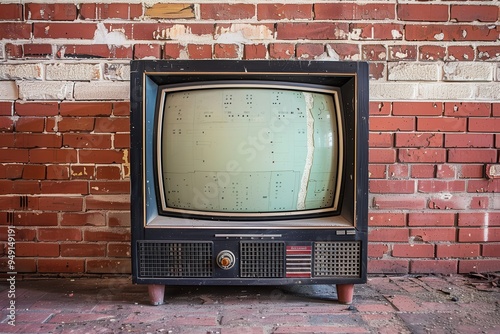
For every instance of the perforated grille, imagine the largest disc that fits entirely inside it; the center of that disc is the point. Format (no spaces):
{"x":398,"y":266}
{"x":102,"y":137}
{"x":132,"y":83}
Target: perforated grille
{"x":261,"y":259}
{"x":175,"y":259}
{"x":337,"y":259}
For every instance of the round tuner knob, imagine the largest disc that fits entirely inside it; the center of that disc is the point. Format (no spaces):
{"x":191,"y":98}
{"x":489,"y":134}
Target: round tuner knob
{"x":225,"y":259}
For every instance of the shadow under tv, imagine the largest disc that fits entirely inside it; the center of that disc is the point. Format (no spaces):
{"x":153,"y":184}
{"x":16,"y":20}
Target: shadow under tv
{"x":249,"y":173}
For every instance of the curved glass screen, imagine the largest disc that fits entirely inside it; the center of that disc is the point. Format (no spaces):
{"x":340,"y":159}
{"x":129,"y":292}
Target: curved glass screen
{"x":249,"y":148}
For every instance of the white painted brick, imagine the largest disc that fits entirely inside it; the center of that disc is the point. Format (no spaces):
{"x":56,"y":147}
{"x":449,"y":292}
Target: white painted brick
{"x":411,"y":71}
{"x":102,"y":90}
{"x":488,"y":91}
{"x":2,"y":52}
{"x":446,"y":91}
{"x":45,"y":90}
{"x":72,"y":72}
{"x":8,"y":90}
{"x":393,"y":91}
{"x":468,"y":71}
{"x":115,"y":71}
{"x":20,"y":71}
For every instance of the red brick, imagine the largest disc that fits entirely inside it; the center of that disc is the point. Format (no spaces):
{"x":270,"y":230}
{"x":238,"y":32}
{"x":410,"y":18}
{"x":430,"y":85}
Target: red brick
{"x":392,"y":123}
{"x":122,"y":140}
{"x":121,"y":108}
{"x":423,"y":12}
{"x":422,"y":171}
{"x":425,"y":155}
{"x":469,"y":140}
{"x":221,"y":11}
{"x":61,"y":265}
{"x":99,"y":11}
{"x":284,"y":11}
{"x":353,"y":11}
{"x":478,"y":266}
{"x":413,"y":250}
{"x":108,"y":173}
{"x":472,"y":155}
{"x":419,"y":139}
{"x":484,"y":124}
{"x":392,"y":186}
{"x":387,"y":266}
{"x":119,"y":250}
{"x":37,"y":249}
{"x":121,"y":266}
{"x":382,"y":155}
{"x":59,"y":234}
{"x":479,"y":202}
{"x":380,"y":139}
{"x":30,"y":124}
{"x":29,"y":140}
{"x":11,"y":171}
{"x":388,"y":234}
{"x":398,"y":171}
{"x":345,"y":51}
{"x":50,"y":155}
{"x":388,"y":31}
{"x":6,"y":108}
{"x":83,"y":250}
{"x":312,"y":31}
{"x":457,"y":250}
{"x":200,"y":51}
{"x":108,"y":202}
{"x":446,"y":171}
{"x":386,"y":219}
{"x":281,"y":51}
{"x":50,"y":12}
{"x":85,"y":108}
{"x":173,"y":51}
{"x":431,"y":52}
{"x":479,"y":219}
{"x":402,"y":52}
{"x":435,"y":186}
{"x":64,"y":30}
{"x":486,"y":52}
{"x":467,"y":109}
{"x":23,"y":108}
{"x":398,"y":202}
{"x":101,"y":156}
{"x":119,"y":219}
{"x":434,"y":234}
{"x":37,"y":50}
{"x":455,"y":32}
{"x":6,"y":123}
{"x":65,"y":187}
{"x":433,"y":266}
{"x":377,"y":172}
{"x":82,"y":140}
{"x":254,"y":51}
{"x":26,"y":187}
{"x":10,"y":30}
{"x":376,"y":71}
{"x":109,"y":187}
{"x":83,"y":219}
{"x":471,"y":171}
{"x":470,"y":13}
{"x":454,"y":202}
{"x":7,"y":139}
{"x":491,"y":250}
{"x":57,"y":172}
{"x":377,"y":250}
{"x":373,"y":52}
{"x":35,"y":219}
{"x":147,"y":50}
{"x":34,"y":172}
{"x":60,"y":203}
{"x":485,"y":234}
{"x":94,"y":51}
{"x":483,"y":186}
{"x":11,"y":12}
{"x":431,"y":219}
{"x":460,"y":53}
{"x":12,"y":51}
{"x":106,"y":235}
{"x":380,"y":108}
{"x":417,"y":108}
{"x":441,"y":124}
{"x":309,"y":51}
{"x":73,"y":124}
{"x":226,"y":51}
{"x":84,"y":172}
{"x":14,"y":155}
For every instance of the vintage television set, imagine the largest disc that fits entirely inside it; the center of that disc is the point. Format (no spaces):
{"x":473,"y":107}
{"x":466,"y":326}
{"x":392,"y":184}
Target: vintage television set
{"x":249,"y":173}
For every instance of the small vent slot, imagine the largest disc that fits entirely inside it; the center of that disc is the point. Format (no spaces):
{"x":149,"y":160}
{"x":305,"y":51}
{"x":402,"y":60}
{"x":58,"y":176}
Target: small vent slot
{"x":175,"y":259}
{"x":261,"y":259}
{"x":334,"y":259}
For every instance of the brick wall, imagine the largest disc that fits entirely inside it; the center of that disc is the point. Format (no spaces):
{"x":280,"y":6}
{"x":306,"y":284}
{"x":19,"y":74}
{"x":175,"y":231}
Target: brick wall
{"x":435,"y":118}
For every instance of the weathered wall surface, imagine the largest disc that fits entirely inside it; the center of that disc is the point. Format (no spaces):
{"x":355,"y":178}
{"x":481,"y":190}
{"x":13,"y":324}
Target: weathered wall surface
{"x":435,"y":118}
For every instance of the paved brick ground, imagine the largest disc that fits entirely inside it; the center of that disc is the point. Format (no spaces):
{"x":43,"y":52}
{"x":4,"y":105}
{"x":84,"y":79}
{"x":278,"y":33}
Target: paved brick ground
{"x":427,"y":304}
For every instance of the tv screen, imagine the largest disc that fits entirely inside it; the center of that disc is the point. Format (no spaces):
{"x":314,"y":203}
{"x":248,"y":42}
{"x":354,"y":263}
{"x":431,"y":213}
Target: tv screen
{"x":249,"y":149}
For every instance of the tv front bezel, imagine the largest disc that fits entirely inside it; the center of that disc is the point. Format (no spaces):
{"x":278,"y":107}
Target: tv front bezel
{"x":336,"y":113}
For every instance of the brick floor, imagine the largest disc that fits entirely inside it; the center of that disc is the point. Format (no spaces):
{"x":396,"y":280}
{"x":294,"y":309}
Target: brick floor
{"x":424,"y":304}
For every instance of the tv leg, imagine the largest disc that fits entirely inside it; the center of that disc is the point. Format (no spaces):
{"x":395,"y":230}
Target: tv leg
{"x":156,"y":294}
{"x":345,"y":293}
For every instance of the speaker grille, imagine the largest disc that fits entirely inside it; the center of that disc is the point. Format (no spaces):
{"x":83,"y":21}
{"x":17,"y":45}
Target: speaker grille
{"x":261,"y":259}
{"x":175,"y":259}
{"x":334,"y":259}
